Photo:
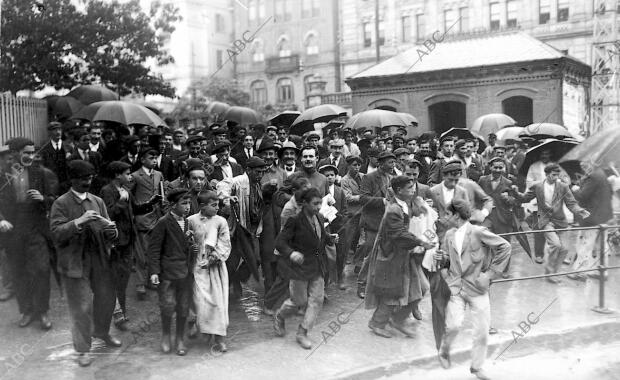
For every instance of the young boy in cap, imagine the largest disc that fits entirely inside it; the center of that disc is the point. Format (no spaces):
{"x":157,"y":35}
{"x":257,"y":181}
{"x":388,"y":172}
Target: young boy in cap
{"x":337,"y":225}
{"x":170,"y":258}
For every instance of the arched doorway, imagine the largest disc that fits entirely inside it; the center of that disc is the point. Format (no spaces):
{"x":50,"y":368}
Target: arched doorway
{"x":387,"y":108}
{"x":446,"y":115}
{"x":519,"y":108}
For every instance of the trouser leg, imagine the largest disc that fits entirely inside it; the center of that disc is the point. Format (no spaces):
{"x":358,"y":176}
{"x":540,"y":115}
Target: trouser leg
{"x":586,"y":246}
{"x":382,"y":314}
{"x":481,"y":317}
{"x":539,"y":238}
{"x":316,"y":294}
{"x":38,"y":274}
{"x":139,"y":254}
{"x":277,"y":292}
{"x":120,"y":266}
{"x":455,"y":313}
{"x":298,"y":290}
{"x":6,"y":272}
{"x":104,"y":297}
{"x":79,"y":300}
{"x":368,"y":244}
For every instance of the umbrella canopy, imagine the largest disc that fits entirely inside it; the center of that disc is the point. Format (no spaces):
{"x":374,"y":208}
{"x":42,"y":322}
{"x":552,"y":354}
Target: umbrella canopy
{"x":558,"y":148}
{"x":491,"y":123}
{"x":285,"y":118}
{"x":242,"y":115}
{"x":65,"y":106}
{"x":600,"y":149}
{"x":90,"y":93}
{"x":119,"y":112}
{"x":546,"y":130}
{"x":510,"y":133}
{"x":217,"y":109}
{"x":460,"y":133}
{"x":378,"y":118}
{"x":408,"y":118}
{"x":319,"y":114}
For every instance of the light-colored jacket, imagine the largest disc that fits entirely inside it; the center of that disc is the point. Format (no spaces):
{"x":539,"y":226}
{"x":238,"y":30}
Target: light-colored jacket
{"x":238,"y":186}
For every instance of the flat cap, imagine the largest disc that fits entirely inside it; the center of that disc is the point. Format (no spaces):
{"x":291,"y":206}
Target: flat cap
{"x":117,"y":167}
{"x":400,"y":151}
{"x":267,"y":144}
{"x":53,"y":125}
{"x":131,"y":139}
{"x":336,"y":142}
{"x":255,"y":162}
{"x":398,"y":137}
{"x":193,"y":164}
{"x":177,"y":194}
{"x":271,"y":128}
{"x":80,"y":169}
{"x":399,"y":181}
{"x":220,"y":131}
{"x":328,"y":167}
{"x":351,"y":159}
{"x":500,"y":144}
{"x":220,"y":146}
{"x":194,"y":138}
{"x":385,"y":155}
{"x":460,"y":143}
{"x":451,"y":166}
{"x":313,"y":134}
{"x":496,"y":159}
{"x":18,"y":143}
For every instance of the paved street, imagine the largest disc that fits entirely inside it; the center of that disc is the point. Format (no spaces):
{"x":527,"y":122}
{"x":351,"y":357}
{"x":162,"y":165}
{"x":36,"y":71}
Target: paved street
{"x":349,"y":352}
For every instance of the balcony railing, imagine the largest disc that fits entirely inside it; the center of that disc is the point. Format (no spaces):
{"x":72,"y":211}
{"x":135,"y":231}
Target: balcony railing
{"x":276,"y":65}
{"x":339,"y":98}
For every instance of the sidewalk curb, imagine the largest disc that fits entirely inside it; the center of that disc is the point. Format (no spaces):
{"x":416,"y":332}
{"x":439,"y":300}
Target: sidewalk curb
{"x":606,"y":332}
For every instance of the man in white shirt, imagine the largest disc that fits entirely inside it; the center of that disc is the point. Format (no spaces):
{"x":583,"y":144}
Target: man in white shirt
{"x":288,"y":155}
{"x":95,"y":139}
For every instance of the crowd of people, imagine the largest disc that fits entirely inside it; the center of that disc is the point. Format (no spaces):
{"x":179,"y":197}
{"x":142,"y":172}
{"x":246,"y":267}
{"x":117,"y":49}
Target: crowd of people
{"x":194,"y":214}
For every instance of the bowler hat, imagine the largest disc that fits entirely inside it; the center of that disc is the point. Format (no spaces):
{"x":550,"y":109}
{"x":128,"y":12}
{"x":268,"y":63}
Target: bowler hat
{"x":288,"y":145}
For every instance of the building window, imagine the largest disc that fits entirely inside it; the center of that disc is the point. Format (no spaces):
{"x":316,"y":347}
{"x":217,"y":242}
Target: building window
{"x":563,"y":10}
{"x":544,"y":12}
{"x":307,"y":80}
{"x":512,"y":10}
{"x":420,"y":27}
{"x":406,"y":28}
{"x":310,"y":8}
{"x":258,"y":55}
{"x":312,"y":46}
{"x":463,"y":19}
{"x":219,"y":23}
{"x":448,"y":19}
{"x":285,"y":90}
{"x":258,"y":92}
{"x":494,"y":21}
{"x":381,"y":33}
{"x":284,"y":10}
{"x":219,"y":58}
{"x":284,"y":49}
{"x":367,"y":30}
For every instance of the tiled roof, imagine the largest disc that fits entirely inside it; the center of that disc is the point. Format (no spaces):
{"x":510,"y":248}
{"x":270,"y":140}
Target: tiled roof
{"x":455,"y":54}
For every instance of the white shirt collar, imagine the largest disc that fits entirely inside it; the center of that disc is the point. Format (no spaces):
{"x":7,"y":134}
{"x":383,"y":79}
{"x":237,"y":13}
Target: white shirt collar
{"x":56,"y":145}
{"x":403,"y":205}
{"x":94,"y":147}
{"x":82,"y":196}
{"x":147,"y":171}
{"x":459,"y":238}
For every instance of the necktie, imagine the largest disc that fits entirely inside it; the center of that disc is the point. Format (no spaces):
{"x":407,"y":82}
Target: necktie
{"x":334,"y":162}
{"x":248,"y":152}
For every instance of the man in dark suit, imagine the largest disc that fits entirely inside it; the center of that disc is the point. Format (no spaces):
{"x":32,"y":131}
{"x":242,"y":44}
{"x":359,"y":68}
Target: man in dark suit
{"x":392,"y":268}
{"x":223,"y":167}
{"x":551,"y":195}
{"x":54,"y":154}
{"x":83,"y":233}
{"x":82,"y":152}
{"x":242,"y":152}
{"x":146,"y":183}
{"x":426,"y":162}
{"x":133,"y":146}
{"x":373,"y":195}
{"x":163,"y":162}
{"x":447,"y":151}
{"x":301,"y":243}
{"x":335,"y":157}
{"x":498,"y":187}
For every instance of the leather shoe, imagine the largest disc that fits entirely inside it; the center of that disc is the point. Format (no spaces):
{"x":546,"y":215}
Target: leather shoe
{"x":165,"y":343}
{"x":479,"y":373}
{"x":279,"y":325}
{"x":403,"y":329}
{"x":539,"y":260}
{"x":444,"y":359}
{"x":26,"y":320}
{"x":46,"y":324}
{"x":416,"y":313}
{"x":220,"y":343}
{"x":302,"y":338}
{"x":361,"y":292}
{"x":181,"y":349}
{"x":109,"y":340}
{"x":380,"y":331}
{"x":192,"y":331}
{"x":84,"y":359}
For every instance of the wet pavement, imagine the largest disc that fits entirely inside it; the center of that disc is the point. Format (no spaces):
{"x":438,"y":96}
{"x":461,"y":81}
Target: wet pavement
{"x":344,"y":346}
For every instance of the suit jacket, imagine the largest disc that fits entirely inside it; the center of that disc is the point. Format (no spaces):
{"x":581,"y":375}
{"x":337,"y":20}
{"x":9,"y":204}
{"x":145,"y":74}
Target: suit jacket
{"x":478,"y":199}
{"x":143,"y":188}
{"x":501,"y":218}
{"x":218,"y":175}
{"x":240,"y":155}
{"x":554,"y":214}
{"x":436,"y":171}
{"x":373,"y":191}
{"x":73,"y":244}
{"x":55,"y":161}
{"x":425,"y":170}
{"x":390,"y":255}
{"x":351,"y":188}
{"x":134,"y":165}
{"x":299,"y":235}
{"x":440,"y":205}
{"x":343,"y":167}
{"x":94,"y":158}
{"x":169,"y":249}
{"x":595,"y":196}
{"x":423,"y":191}
{"x":482,"y":252}
{"x":167,"y":168}
{"x":122,"y":212}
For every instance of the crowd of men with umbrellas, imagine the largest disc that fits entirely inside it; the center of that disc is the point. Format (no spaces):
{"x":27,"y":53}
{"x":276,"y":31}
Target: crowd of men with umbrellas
{"x":194,"y":214}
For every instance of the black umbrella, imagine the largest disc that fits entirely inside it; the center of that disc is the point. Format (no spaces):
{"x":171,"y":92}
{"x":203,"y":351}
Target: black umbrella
{"x":285,"y":118}
{"x":242,"y":260}
{"x":460,"y":133}
{"x":558,"y":148}
{"x":319,"y":114}
{"x":600,"y":149}
{"x":90,"y":93}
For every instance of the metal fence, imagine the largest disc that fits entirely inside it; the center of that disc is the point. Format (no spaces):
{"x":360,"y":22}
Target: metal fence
{"x":21,"y":116}
{"x":601,"y":268}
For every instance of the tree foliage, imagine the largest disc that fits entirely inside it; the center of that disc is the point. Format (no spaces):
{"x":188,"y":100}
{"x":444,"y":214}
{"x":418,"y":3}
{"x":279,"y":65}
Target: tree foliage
{"x":62,"y":43}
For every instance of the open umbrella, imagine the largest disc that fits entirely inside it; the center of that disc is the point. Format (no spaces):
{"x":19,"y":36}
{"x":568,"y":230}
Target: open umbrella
{"x":491,"y":123}
{"x":90,"y":93}
{"x":285,"y":118}
{"x":119,"y":112}
{"x":408,"y":118}
{"x":65,"y":106}
{"x":558,"y":148}
{"x":600,"y":149}
{"x":546,"y":131}
{"x":509,"y":133}
{"x":460,"y":133}
{"x":217,"y":109}
{"x":242,"y":115}
{"x":319,"y":114}
{"x":377,"y":118}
